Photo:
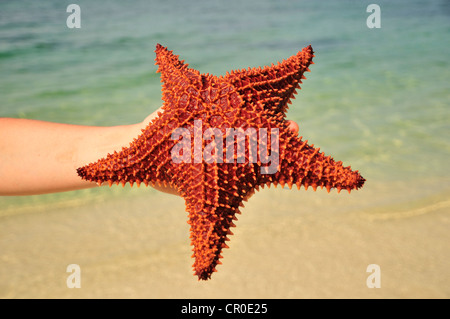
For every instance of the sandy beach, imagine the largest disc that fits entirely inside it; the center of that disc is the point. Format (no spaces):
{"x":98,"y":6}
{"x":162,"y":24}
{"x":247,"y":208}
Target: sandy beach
{"x":376,"y":99}
{"x":287,"y":244}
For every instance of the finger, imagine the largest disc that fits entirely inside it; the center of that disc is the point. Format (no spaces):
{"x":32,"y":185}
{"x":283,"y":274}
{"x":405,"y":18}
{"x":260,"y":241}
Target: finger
{"x":293,"y":126}
{"x":166,"y":189}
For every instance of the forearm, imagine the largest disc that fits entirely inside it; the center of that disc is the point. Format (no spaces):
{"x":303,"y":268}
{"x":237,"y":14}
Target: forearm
{"x":39,"y":157}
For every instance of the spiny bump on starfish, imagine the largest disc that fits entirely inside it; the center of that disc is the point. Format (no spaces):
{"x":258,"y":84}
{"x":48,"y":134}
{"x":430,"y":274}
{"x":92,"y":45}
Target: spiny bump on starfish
{"x":214,"y":192}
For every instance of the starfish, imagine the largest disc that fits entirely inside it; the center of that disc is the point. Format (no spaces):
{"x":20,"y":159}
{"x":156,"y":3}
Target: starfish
{"x":183,"y":147}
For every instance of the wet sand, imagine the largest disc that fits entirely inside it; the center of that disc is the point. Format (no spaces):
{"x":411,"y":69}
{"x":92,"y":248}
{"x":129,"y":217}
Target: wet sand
{"x":287,"y":244}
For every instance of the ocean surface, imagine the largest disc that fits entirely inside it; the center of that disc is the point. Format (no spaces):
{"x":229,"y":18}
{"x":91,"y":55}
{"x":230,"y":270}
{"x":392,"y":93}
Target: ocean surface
{"x":377,"y":99}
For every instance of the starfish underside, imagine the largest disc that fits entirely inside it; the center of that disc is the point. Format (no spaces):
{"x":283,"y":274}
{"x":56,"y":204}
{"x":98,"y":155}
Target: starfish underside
{"x":213,"y":191}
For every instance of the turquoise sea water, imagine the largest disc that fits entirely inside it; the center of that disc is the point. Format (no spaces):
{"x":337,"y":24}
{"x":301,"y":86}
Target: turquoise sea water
{"x":377,"y":99}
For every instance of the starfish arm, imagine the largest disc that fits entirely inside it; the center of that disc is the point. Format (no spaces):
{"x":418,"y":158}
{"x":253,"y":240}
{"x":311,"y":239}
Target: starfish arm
{"x":303,"y":164}
{"x":212,"y":208}
{"x":273,"y":86}
{"x":146,"y":160}
{"x":181,"y":85}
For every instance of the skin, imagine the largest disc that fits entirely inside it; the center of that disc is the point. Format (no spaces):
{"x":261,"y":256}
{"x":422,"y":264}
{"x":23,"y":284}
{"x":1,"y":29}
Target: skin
{"x":38,"y":157}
